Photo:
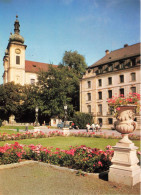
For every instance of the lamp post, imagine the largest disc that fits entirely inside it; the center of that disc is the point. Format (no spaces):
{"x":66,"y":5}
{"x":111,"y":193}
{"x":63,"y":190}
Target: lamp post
{"x":65,"y":108}
{"x":36,"y":116}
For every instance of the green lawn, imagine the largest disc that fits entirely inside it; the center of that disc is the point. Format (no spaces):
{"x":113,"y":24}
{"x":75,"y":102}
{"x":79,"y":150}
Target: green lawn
{"x":15,"y":127}
{"x":65,"y":142}
{"x":8,"y":131}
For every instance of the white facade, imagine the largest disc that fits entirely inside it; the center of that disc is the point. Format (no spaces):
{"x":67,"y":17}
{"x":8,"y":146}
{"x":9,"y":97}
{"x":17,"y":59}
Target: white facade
{"x":96,"y":88}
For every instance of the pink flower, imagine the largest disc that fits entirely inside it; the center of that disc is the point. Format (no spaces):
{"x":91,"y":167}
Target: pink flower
{"x":108,"y":147}
{"x":118,"y":108}
{"x":100,"y":163}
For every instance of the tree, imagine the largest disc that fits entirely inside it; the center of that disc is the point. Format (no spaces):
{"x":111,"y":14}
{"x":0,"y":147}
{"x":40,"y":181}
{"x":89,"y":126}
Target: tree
{"x":31,"y":99}
{"x":81,"y":119}
{"x":57,"y":88}
{"x":75,"y":61}
{"x":11,"y":97}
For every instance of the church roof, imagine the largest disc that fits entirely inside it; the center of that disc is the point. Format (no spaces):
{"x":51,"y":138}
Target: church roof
{"x":35,"y":67}
{"x":127,"y":51}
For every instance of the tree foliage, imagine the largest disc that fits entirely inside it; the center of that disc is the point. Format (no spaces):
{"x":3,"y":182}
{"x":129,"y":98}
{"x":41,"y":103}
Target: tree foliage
{"x":75,"y":61}
{"x":57,"y":88}
{"x":81,"y":119}
{"x":11,"y":97}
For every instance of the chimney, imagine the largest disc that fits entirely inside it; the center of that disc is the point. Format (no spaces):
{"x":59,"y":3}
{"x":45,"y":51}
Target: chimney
{"x":107,"y":52}
{"x":125,"y":45}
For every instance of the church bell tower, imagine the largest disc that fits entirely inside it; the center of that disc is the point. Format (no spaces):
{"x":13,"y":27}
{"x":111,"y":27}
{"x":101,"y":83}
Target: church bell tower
{"x":14,"y":59}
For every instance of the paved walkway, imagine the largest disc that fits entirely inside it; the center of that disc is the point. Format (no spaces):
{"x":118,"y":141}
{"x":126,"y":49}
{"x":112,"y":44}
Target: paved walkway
{"x":104,"y":131}
{"x":42,"y":179}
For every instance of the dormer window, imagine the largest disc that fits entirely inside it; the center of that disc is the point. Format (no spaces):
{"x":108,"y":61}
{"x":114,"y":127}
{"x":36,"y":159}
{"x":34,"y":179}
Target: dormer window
{"x":110,"y":67}
{"x":133,"y":61}
{"x":17,"y":59}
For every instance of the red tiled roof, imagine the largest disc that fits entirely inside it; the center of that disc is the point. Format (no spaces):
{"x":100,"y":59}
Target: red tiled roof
{"x":118,"y":54}
{"x":35,"y":67}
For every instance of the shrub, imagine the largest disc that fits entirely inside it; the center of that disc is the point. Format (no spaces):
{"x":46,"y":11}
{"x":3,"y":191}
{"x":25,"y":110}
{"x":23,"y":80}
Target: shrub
{"x":0,"y":122}
{"x":81,"y":119}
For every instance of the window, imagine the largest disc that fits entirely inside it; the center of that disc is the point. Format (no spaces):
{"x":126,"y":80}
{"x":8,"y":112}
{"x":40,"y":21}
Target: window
{"x":99,"y":82}
{"x":110,"y":121}
{"x":109,"y":93}
{"x":100,"y":108}
{"x":89,"y":108}
{"x":110,"y":110}
{"x":121,"y":78}
{"x":17,"y":59}
{"x":121,"y":91}
{"x":100,"y":120}
{"x":99,"y":69}
{"x":89,"y":84}
{"x":89,"y":96}
{"x":32,"y":81}
{"x":133,"y":89}
{"x":110,"y":67}
{"x":100,"y":95}
{"x":121,"y":65}
{"x":133,"y":62}
{"x":133,"y":76}
{"x":109,"y":80}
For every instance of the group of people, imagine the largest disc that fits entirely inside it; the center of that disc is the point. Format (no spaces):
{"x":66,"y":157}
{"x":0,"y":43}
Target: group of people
{"x":95,"y":127}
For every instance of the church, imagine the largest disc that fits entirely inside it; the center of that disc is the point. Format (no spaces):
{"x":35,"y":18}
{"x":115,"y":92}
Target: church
{"x":16,"y":68}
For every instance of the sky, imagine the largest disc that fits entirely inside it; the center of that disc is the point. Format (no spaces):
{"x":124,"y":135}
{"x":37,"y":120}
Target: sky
{"x":51,"y":27}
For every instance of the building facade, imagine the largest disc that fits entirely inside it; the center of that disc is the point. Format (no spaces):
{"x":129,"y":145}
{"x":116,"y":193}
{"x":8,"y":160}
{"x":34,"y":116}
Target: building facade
{"x":118,"y":72}
{"x":16,"y":68}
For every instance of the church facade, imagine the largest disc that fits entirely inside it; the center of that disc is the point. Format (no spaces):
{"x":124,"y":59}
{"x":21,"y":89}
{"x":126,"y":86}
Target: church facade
{"x":16,"y":68}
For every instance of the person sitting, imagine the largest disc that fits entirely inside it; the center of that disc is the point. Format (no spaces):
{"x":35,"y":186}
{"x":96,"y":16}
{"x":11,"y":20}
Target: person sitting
{"x":88,"y":127}
{"x":97,"y":127}
{"x":93,"y":127}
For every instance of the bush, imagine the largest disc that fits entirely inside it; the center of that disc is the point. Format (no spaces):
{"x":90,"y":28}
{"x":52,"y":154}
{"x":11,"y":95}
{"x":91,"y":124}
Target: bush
{"x":81,"y":119}
{"x":0,"y":122}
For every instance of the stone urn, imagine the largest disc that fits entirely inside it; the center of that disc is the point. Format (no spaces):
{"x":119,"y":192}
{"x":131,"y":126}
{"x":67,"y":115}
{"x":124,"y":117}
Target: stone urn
{"x":125,"y":123}
{"x":125,"y":168}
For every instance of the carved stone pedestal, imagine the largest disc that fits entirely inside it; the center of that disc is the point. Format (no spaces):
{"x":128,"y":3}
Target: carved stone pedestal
{"x":124,"y":167}
{"x":66,"y":131}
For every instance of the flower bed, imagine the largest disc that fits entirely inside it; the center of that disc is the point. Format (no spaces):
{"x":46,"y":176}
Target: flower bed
{"x":84,"y":158}
{"x":28,"y":135}
{"x":87,"y":159}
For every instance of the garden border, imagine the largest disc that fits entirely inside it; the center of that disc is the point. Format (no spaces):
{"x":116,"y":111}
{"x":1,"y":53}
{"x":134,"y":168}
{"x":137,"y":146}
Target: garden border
{"x":14,"y":165}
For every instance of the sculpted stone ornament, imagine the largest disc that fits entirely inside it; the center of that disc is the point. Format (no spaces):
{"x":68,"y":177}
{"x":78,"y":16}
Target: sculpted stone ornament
{"x":124,"y":168}
{"x":125,"y":123}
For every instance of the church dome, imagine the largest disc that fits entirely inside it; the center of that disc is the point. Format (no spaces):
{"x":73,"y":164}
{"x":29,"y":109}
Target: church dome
{"x":16,"y":37}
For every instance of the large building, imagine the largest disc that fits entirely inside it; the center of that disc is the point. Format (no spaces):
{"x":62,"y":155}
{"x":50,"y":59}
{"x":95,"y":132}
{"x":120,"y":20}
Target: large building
{"x":16,"y":68}
{"x":118,"y":72}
